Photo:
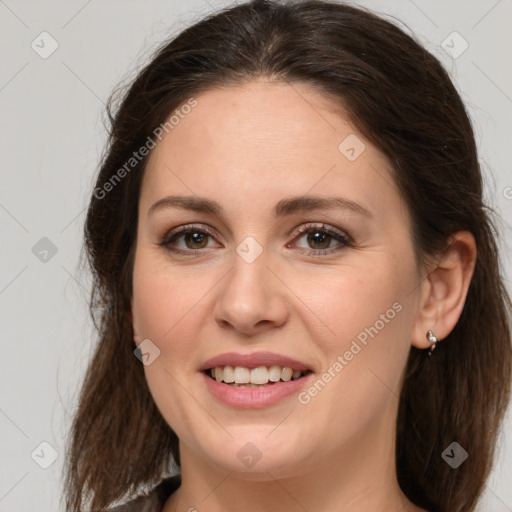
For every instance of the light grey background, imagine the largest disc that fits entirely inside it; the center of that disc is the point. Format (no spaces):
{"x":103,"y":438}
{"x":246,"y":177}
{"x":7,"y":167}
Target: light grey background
{"x":52,"y":137}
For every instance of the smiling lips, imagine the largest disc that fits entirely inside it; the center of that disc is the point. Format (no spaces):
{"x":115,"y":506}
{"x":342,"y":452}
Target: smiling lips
{"x":253,"y":380}
{"x":256,"y":376}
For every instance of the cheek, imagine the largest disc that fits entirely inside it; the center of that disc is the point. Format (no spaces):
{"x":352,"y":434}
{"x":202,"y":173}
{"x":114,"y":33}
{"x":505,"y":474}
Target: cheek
{"x":163,"y":307}
{"x":162,"y":298}
{"x":369,"y":312}
{"x":161,"y":301}
{"x":359,"y":303}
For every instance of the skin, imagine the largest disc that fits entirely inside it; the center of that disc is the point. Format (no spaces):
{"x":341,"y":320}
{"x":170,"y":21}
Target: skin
{"x":247,"y":148}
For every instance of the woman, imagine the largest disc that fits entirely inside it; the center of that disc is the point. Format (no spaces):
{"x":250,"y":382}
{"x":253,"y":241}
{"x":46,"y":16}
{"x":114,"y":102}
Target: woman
{"x":297,"y":285}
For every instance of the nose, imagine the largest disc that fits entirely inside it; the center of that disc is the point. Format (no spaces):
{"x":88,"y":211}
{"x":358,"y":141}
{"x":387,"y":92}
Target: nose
{"x":251,"y":298}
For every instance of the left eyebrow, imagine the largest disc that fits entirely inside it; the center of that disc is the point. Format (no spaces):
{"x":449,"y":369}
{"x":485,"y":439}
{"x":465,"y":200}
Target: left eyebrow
{"x":308,"y":203}
{"x":282,"y":208}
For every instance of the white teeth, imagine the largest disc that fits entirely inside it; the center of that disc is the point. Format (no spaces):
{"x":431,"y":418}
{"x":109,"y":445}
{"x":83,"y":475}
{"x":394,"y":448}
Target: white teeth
{"x":286,"y":374}
{"x":229,"y":374}
{"x":274,"y":373}
{"x":242,"y":375}
{"x":253,"y":377}
{"x":259,"y":375}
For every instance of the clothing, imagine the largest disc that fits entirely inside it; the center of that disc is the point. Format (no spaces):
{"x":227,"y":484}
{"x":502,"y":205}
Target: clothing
{"x":155,"y":500}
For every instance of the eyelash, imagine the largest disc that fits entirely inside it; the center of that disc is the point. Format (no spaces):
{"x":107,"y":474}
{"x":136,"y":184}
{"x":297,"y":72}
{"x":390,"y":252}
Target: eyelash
{"x":344,"y":239}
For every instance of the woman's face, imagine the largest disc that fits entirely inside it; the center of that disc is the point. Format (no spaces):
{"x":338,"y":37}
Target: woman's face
{"x":269,"y":279}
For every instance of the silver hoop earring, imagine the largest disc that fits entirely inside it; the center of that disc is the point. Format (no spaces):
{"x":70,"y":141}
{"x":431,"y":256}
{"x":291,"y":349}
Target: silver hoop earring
{"x":433,"y":342}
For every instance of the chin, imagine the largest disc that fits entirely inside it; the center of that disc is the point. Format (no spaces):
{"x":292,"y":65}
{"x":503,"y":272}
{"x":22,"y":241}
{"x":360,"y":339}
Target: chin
{"x":257,"y":457}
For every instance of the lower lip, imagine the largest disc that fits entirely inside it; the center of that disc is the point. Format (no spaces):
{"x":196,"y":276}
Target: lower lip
{"x":248,"y":398}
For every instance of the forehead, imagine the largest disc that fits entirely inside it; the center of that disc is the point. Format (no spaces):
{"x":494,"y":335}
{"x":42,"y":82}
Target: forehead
{"x":263,"y":141}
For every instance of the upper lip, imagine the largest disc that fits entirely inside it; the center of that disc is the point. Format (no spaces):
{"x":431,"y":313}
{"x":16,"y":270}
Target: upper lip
{"x":253,"y":360}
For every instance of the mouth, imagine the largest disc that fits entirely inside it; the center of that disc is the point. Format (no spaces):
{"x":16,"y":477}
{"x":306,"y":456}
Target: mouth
{"x":259,"y":377}
{"x":254,"y":380}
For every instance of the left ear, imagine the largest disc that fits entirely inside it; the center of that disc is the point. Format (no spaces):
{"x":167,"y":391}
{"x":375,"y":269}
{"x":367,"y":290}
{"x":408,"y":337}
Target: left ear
{"x":444,"y":290}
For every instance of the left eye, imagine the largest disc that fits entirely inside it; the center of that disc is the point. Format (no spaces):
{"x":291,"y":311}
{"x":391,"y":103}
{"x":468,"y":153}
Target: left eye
{"x":321,"y":237}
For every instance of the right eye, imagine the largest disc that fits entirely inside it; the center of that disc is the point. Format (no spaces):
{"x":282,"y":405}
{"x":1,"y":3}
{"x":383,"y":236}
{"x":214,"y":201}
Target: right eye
{"x":194,"y":238}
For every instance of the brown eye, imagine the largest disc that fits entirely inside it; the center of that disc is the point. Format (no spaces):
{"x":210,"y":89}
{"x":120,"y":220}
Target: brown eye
{"x":187,"y":240}
{"x":319,"y":239}
{"x":194,"y":239}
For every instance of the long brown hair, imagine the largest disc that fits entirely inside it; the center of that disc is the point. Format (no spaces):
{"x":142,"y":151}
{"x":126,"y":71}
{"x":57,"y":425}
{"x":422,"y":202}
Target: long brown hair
{"x":400,"y":97}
